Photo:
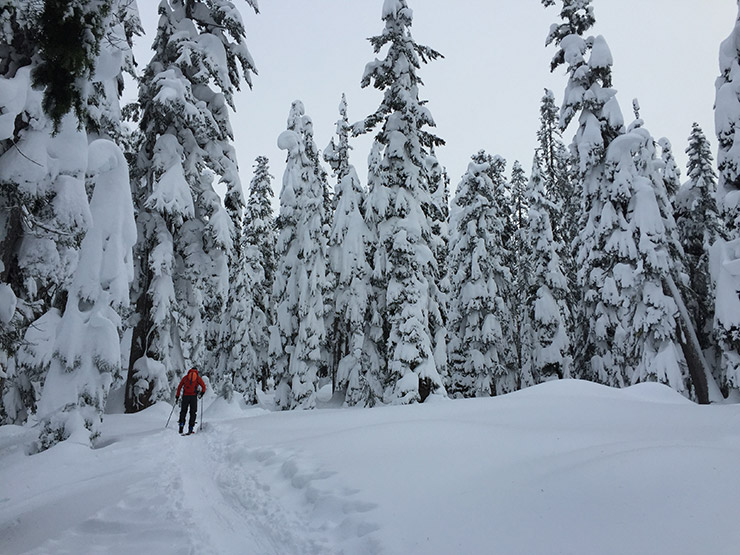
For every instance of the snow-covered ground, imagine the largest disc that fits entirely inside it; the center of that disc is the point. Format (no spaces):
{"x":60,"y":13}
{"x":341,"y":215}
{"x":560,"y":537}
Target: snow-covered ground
{"x":563,"y":468}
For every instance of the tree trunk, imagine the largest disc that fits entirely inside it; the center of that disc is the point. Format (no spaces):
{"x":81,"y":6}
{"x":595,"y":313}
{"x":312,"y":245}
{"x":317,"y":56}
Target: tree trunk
{"x":690,"y":346}
{"x":139,"y":345}
{"x":13,"y":237}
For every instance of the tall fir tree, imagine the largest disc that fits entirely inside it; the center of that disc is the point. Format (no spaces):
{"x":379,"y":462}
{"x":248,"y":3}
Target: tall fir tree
{"x":520,"y":267}
{"x":46,"y":75}
{"x":555,"y":172}
{"x":404,"y":265}
{"x":348,"y":262}
{"x":243,"y":334}
{"x":200,"y":59}
{"x":563,"y":188}
{"x":298,"y":337}
{"x":85,"y":352}
{"x":727,"y":123}
{"x":438,"y":213}
{"x":602,"y":329}
{"x":662,"y":335}
{"x":30,"y":218}
{"x":548,"y":314}
{"x":670,"y":171}
{"x":375,"y":348}
{"x":259,"y":239}
{"x":627,"y":325}
{"x":700,"y":226}
{"x":480,"y":347}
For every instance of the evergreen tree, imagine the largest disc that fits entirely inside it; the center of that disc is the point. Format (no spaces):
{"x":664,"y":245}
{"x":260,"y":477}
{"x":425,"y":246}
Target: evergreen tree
{"x":628,"y":329}
{"x":185,"y":94}
{"x":438,"y":213}
{"x":727,"y":120}
{"x":19,"y":302}
{"x":699,"y":226}
{"x":562,"y":187}
{"x":243,"y":330}
{"x":43,"y":159}
{"x":671,"y":172}
{"x":85,"y":346}
{"x":298,"y":337}
{"x":519,"y":264}
{"x":480,"y":347}
{"x":348,"y":262}
{"x":657,"y":329}
{"x":727,"y":116}
{"x":602,"y":329}
{"x":559,"y":186}
{"x":259,"y":238}
{"x":404,"y":265}
{"x":548,"y":314}
{"x":375,"y":348}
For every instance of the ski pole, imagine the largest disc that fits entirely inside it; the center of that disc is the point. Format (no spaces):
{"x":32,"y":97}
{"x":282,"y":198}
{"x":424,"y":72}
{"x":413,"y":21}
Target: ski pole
{"x":170,"y":416}
{"x":202,"y":421}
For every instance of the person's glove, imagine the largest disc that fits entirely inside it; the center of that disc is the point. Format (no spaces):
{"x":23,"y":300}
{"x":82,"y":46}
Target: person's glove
{"x":177,"y":399}
{"x":200,"y":395}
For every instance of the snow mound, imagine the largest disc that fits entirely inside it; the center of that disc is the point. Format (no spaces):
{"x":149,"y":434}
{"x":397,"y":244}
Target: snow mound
{"x":567,"y":388}
{"x":221,"y":409}
{"x":649,"y":392}
{"x":655,"y":393}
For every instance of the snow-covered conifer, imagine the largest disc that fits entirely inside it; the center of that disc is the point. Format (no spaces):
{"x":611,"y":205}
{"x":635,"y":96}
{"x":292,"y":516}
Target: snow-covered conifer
{"x":602,"y":332}
{"x":671,"y":172}
{"x":438,"y":213}
{"x":348,"y":262}
{"x":44,"y":206}
{"x":519,"y":265}
{"x":563,"y":190}
{"x":560,"y":188}
{"x":548,"y":314}
{"x":238,"y":366}
{"x":404,"y":266}
{"x":298,"y":337}
{"x":480,"y":347}
{"x":259,"y":239}
{"x":699,"y":226}
{"x":85,"y":344}
{"x":727,"y":122}
{"x":627,"y":325}
{"x":185,"y":94}
{"x":375,"y":348}
{"x":661,"y":332}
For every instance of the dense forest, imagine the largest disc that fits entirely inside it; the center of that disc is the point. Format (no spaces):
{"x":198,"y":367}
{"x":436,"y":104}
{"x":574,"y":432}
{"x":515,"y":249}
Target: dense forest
{"x":121,"y":266}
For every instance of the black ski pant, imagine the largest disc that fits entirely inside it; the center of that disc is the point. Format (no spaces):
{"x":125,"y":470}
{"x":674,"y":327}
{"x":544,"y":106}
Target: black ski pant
{"x":188,"y":402}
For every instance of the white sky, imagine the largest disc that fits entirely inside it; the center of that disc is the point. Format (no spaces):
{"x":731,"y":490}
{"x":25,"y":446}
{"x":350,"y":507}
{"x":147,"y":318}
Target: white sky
{"x":486,"y":92}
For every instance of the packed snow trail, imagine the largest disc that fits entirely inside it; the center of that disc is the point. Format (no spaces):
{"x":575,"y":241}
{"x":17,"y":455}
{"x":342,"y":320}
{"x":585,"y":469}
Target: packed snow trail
{"x":208,"y":493}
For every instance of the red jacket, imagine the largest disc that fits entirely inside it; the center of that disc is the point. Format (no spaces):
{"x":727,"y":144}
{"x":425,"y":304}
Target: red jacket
{"x":190,"y":382}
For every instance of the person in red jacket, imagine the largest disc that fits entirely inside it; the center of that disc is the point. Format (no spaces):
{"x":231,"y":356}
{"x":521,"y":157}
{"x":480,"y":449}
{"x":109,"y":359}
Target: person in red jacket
{"x":189,"y":385}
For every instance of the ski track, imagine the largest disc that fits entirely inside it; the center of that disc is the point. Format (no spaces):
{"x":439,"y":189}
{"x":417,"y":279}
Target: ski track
{"x":274,"y":500}
{"x":217,"y":494}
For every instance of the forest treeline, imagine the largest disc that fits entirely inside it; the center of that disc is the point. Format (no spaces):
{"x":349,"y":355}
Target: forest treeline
{"x":121,"y":265}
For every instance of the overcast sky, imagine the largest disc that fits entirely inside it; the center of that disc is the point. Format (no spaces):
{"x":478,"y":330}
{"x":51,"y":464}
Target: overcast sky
{"x":485,"y":93}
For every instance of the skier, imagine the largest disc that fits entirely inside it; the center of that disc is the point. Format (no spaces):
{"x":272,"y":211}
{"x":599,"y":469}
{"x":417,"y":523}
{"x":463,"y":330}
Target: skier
{"x":190,"y":382}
